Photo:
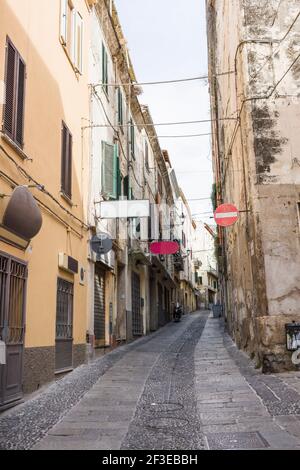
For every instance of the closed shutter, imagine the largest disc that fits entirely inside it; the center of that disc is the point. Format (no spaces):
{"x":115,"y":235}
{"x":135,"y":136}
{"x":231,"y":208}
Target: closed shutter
{"x":14,"y":94}
{"x":66,"y":161}
{"x":20,"y":102}
{"x":10,"y":90}
{"x":109,"y":170}
{"x":104,"y":69}
{"x":99,"y":307}
{"x":132,"y":139}
{"x":63,"y":21}
{"x":118,"y":172}
{"x":77,"y":41}
{"x":120,"y":107}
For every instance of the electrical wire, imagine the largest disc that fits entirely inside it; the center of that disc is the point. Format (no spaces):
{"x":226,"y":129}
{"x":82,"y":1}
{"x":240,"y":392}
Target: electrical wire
{"x":162,"y":82}
{"x":41,"y":187}
{"x":255,"y":98}
{"x":162,"y":123}
{"x":182,"y":136}
{"x":118,"y":137}
{"x":277,"y":49}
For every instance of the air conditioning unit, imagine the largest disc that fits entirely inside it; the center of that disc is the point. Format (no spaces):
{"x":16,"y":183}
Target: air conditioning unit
{"x":67,"y":263}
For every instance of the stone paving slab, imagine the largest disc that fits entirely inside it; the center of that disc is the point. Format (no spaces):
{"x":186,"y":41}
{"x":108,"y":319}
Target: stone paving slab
{"x":102,"y":419}
{"x":234,"y":414}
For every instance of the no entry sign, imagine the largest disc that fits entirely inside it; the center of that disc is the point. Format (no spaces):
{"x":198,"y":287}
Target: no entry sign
{"x":226,"y":215}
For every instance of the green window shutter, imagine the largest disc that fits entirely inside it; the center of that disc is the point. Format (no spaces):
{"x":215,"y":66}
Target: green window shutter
{"x":132,"y":139}
{"x":120,"y":107}
{"x":104,"y":69}
{"x":109,"y":170}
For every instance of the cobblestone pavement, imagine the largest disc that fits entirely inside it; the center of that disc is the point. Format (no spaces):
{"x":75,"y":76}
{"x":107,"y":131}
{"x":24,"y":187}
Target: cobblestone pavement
{"x":184,"y":387}
{"x":120,"y":408}
{"x":239,"y":407}
{"x":23,"y":426}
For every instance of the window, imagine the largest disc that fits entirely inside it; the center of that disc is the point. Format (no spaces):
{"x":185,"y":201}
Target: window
{"x":77,"y":41}
{"x":66,"y":162}
{"x":183,"y":240}
{"x":111,"y":176}
{"x":104,"y":70}
{"x":64,"y":310}
{"x":132,"y":139}
{"x":146,"y":156}
{"x":71,"y":33}
{"x":13,"y":121}
{"x":159,"y":184}
{"x":120,"y":109}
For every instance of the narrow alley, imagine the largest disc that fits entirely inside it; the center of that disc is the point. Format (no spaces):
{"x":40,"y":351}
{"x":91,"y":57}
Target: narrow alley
{"x":183,"y":387}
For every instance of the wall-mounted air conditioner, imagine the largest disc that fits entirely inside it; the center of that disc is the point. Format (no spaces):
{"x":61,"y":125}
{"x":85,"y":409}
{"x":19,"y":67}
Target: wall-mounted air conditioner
{"x":67,"y":263}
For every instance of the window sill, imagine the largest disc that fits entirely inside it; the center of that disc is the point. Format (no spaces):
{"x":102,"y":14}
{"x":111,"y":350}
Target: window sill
{"x":15,"y":146}
{"x":67,"y":198}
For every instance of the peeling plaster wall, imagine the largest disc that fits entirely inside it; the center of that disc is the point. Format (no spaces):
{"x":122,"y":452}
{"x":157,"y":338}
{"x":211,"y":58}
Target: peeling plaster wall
{"x":259,"y":166}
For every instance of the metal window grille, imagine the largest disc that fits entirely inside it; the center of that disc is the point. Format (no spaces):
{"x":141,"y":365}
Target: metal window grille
{"x":13,"y":276}
{"x":137,"y":327}
{"x":64,"y":310}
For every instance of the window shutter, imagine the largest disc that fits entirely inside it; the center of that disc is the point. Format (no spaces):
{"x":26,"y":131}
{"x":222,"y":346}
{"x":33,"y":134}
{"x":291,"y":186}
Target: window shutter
{"x":118,"y":174}
{"x":77,"y":42}
{"x":63,"y":20}
{"x":66,"y":161}
{"x":10,"y":90}
{"x":132,"y":139}
{"x":109,"y":166}
{"x":20,"y":102}
{"x":74,"y":36}
{"x":69,"y":166}
{"x":120,"y":107}
{"x":104,"y":69}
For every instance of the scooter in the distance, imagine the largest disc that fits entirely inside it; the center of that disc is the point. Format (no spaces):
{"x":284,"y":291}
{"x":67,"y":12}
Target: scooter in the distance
{"x":177,"y":312}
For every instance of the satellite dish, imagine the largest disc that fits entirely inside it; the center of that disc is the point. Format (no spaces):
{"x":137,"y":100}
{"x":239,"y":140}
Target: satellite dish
{"x":101,"y":243}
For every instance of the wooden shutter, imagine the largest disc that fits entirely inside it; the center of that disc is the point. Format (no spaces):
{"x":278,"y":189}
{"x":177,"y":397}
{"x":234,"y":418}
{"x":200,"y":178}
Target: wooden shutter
{"x":13,"y":121}
{"x":104,"y":69}
{"x":20,"y":102}
{"x":120,"y":108}
{"x":146,"y":156}
{"x":109,"y":170}
{"x":10,"y":90}
{"x":132,"y":139}
{"x":63,"y":21}
{"x":66,"y":161}
{"x":77,"y":27}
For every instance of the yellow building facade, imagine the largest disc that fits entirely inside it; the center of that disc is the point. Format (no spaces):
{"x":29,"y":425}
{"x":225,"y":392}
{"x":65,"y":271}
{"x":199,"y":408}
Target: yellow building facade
{"x":45,"y":100}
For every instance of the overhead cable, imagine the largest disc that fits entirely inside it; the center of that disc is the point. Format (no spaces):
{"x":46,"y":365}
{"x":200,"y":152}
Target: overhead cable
{"x":163,"y":82}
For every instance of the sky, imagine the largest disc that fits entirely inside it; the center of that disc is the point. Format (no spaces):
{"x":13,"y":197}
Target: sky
{"x":167,"y":41}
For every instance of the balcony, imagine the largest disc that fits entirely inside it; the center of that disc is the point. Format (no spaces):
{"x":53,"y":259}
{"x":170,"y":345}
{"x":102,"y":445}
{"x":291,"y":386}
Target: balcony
{"x":139,"y":252}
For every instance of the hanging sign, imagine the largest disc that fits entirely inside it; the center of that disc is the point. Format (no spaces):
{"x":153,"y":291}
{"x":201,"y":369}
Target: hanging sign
{"x":226,"y":215}
{"x":101,"y":243}
{"x":164,"y":248}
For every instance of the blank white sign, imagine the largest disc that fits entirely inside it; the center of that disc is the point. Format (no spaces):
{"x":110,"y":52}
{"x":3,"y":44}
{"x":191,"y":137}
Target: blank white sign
{"x":124,"y":209}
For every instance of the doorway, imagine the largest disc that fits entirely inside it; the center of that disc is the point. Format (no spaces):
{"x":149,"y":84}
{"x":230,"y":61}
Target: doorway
{"x":13,"y":279}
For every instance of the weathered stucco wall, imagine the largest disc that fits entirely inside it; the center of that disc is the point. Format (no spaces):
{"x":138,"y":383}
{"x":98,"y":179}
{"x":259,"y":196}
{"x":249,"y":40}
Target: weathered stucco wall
{"x":259,"y":167}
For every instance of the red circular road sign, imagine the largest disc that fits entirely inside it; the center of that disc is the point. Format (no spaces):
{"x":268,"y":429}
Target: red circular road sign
{"x":164,"y":248}
{"x":226,"y":215}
